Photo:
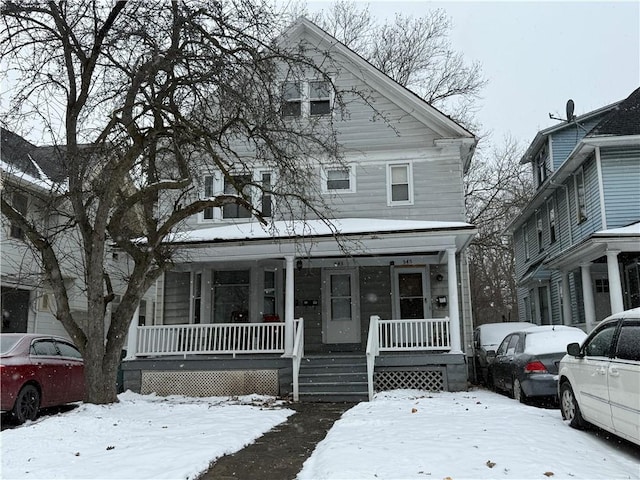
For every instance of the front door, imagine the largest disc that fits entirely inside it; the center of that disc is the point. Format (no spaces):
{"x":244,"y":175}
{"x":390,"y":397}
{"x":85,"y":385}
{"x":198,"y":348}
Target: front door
{"x":411,"y":297}
{"x":341,"y":315}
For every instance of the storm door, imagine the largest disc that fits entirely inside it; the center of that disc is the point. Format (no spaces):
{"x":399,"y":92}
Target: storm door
{"x":411,"y":293}
{"x":341,"y":316}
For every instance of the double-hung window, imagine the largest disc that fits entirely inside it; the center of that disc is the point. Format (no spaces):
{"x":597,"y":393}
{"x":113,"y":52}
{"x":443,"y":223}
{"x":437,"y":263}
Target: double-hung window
{"x":551,"y":212}
{"x":292,"y":99}
{"x":338,"y":179}
{"x":234,"y":185}
{"x":266,"y":200}
{"x":20,"y":204}
{"x":399,"y":184}
{"x":525,"y":242}
{"x":581,"y":201}
{"x":539,"y":231}
{"x":306,"y":98}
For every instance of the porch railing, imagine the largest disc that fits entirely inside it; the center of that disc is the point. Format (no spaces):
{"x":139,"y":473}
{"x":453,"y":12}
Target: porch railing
{"x":213,"y":338}
{"x":428,"y":334}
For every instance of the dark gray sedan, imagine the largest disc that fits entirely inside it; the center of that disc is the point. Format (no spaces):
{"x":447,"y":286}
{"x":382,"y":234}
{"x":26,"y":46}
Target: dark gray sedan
{"x":526,"y":363}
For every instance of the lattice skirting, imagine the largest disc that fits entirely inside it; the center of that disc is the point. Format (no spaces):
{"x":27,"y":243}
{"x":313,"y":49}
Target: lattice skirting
{"x":430,"y":380}
{"x":210,"y":383}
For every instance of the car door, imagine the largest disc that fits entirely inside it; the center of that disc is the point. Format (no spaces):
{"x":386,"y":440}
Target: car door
{"x":624,"y":381}
{"x":503,"y":364}
{"x":590,"y":375}
{"x":74,"y":367}
{"x":49,"y":370}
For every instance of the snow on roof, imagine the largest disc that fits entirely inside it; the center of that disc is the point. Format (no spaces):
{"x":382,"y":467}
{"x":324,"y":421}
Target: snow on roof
{"x":633,"y":229}
{"x":307,"y":228}
{"x":43,"y":182}
{"x":492,"y":334}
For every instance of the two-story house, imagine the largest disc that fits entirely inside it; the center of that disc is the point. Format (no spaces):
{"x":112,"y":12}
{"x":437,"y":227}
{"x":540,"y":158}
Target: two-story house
{"x":387,"y":275}
{"x":27,"y":181}
{"x":577,"y":243}
{"x":386,"y":280}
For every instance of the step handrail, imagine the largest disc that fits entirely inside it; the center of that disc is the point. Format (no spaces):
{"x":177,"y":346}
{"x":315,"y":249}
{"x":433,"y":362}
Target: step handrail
{"x":373,"y":350}
{"x":298,"y":354}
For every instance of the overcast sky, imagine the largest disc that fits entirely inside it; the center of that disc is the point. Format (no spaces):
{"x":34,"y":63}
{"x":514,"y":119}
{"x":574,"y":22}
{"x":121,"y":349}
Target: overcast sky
{"x":537,"y":55}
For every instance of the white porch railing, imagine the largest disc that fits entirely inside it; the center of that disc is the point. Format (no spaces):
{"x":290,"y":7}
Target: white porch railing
{"x":428,"y":334}
{"x":211,"y":338}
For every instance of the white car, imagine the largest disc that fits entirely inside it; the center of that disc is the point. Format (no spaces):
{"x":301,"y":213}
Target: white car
{"x":599,"y":382}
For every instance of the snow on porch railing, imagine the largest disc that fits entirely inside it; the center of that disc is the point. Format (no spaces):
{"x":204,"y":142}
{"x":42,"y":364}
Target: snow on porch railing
{"x":414,"y":334}
{"x":214,"y":338}
{"x":428,"y":334}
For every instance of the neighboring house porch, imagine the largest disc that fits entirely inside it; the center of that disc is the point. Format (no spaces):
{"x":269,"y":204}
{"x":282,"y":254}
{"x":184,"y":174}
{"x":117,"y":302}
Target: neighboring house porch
{"x":293,"y":309}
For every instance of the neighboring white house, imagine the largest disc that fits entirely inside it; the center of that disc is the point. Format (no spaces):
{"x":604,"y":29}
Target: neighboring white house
{"x":401,"y":285}
{"x":577,"y":243}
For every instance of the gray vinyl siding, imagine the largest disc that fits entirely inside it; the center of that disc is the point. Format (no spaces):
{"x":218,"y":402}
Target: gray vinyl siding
{"x":621,"y":179}
{"x":177,"y":291}
{"x":564,"y":141}
{"x":593,"y":221}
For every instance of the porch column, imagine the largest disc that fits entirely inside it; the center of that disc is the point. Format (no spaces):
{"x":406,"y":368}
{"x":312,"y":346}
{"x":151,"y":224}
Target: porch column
{"x":454,"y":317}
{"x":132,"y":336}
{"x":615,"y":286}
{"x":587,"y":296}
{"x":566,"y":298}
{"x":288,"y":307}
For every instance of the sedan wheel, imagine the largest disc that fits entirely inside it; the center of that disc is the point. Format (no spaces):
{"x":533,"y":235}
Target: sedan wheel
{"x":518,"y":394}
{"x":569,"y":407}
{"x":27,"y":404}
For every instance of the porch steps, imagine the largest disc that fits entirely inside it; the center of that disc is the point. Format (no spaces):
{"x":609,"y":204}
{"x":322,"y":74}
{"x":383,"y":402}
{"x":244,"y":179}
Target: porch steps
{"x":333,"y":378}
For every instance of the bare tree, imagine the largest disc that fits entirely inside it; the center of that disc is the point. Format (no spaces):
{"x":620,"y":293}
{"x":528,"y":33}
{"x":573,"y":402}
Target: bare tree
{"x":137,"y":98}
{"x":497,"y":187}
{"x":415,"y":51}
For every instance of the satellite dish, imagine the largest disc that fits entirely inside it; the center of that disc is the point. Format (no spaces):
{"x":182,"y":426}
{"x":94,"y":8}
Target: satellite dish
{"x":570,"y":107}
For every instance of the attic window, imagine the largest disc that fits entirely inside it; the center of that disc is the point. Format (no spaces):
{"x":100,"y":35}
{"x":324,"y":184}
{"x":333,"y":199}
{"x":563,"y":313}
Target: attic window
{"x":319,"y":98}
{"x":292,"y":99}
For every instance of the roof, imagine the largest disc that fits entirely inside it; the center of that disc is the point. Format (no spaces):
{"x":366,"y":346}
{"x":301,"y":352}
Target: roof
{"x":16,"y":151}
{"x":623,"y":120}
{"x":313,"y":228}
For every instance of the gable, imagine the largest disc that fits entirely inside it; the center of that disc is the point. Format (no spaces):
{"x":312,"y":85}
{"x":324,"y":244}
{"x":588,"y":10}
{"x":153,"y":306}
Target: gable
{"x":391,"y":106}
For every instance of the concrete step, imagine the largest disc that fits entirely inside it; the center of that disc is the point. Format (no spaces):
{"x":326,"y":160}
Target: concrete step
{"x":336,"y":397}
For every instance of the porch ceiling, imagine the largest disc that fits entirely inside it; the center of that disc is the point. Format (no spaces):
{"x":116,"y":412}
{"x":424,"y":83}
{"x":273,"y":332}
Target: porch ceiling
{"x":316,"y":238}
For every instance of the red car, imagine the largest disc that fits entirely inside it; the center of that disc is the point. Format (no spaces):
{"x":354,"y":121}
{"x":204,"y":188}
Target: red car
{"x":38,"y":371}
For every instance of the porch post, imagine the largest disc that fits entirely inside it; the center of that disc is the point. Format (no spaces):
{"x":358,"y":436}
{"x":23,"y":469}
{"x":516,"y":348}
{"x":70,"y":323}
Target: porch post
{"x":132,"y":336}
{"x":615,"y":287}
{"x":587,"y":295}
{"x":566,"y":298}
{"x":454,"y":316}
{"x":288,"y":307}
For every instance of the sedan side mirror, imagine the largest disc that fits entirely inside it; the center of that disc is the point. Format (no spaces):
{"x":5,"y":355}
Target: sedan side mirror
{"x":491,"y":354}
{"x":573,"y":349}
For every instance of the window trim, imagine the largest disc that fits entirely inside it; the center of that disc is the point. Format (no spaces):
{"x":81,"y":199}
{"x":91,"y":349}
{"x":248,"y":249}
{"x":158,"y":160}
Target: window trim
{"x":20,"y":203}
{"x":580,"y":195}
{"x":552,"y":221}
{"x":539,"y":231}
{"x":525,"y":242}
{"x":410,"y":193}
{"x":217,"y":188}
{"x":305,"y":98}
{"x":324,"y":178}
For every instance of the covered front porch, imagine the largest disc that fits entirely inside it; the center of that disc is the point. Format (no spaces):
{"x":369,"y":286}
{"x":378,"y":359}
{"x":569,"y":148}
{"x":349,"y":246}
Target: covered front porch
{"x":260,"y":306}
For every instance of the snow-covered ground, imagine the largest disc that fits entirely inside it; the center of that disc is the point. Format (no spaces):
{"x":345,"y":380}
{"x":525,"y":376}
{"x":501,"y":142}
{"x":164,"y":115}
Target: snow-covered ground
{"x":400,"y":435}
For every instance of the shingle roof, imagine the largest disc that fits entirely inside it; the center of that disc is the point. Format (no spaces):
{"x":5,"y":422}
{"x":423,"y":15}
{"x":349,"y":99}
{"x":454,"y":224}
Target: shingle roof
{"x":624,"y":119}
{"x":16,"y":151}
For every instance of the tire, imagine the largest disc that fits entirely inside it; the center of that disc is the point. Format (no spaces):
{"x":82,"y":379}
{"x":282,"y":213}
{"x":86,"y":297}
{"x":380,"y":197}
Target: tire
{"x":569,"y":407}
{"x":27,"y":404}
{"x":517,"y":392}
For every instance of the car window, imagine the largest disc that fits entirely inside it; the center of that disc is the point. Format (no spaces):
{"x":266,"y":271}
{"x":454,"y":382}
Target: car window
{"x":513,"y":343}
{"x":7,"y":343}
{"x":502,"y":349}
{"x":67,"y":350}
{"x":600,"y":344}
{"x":629,"y":342}
{"x":44,"y":347}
